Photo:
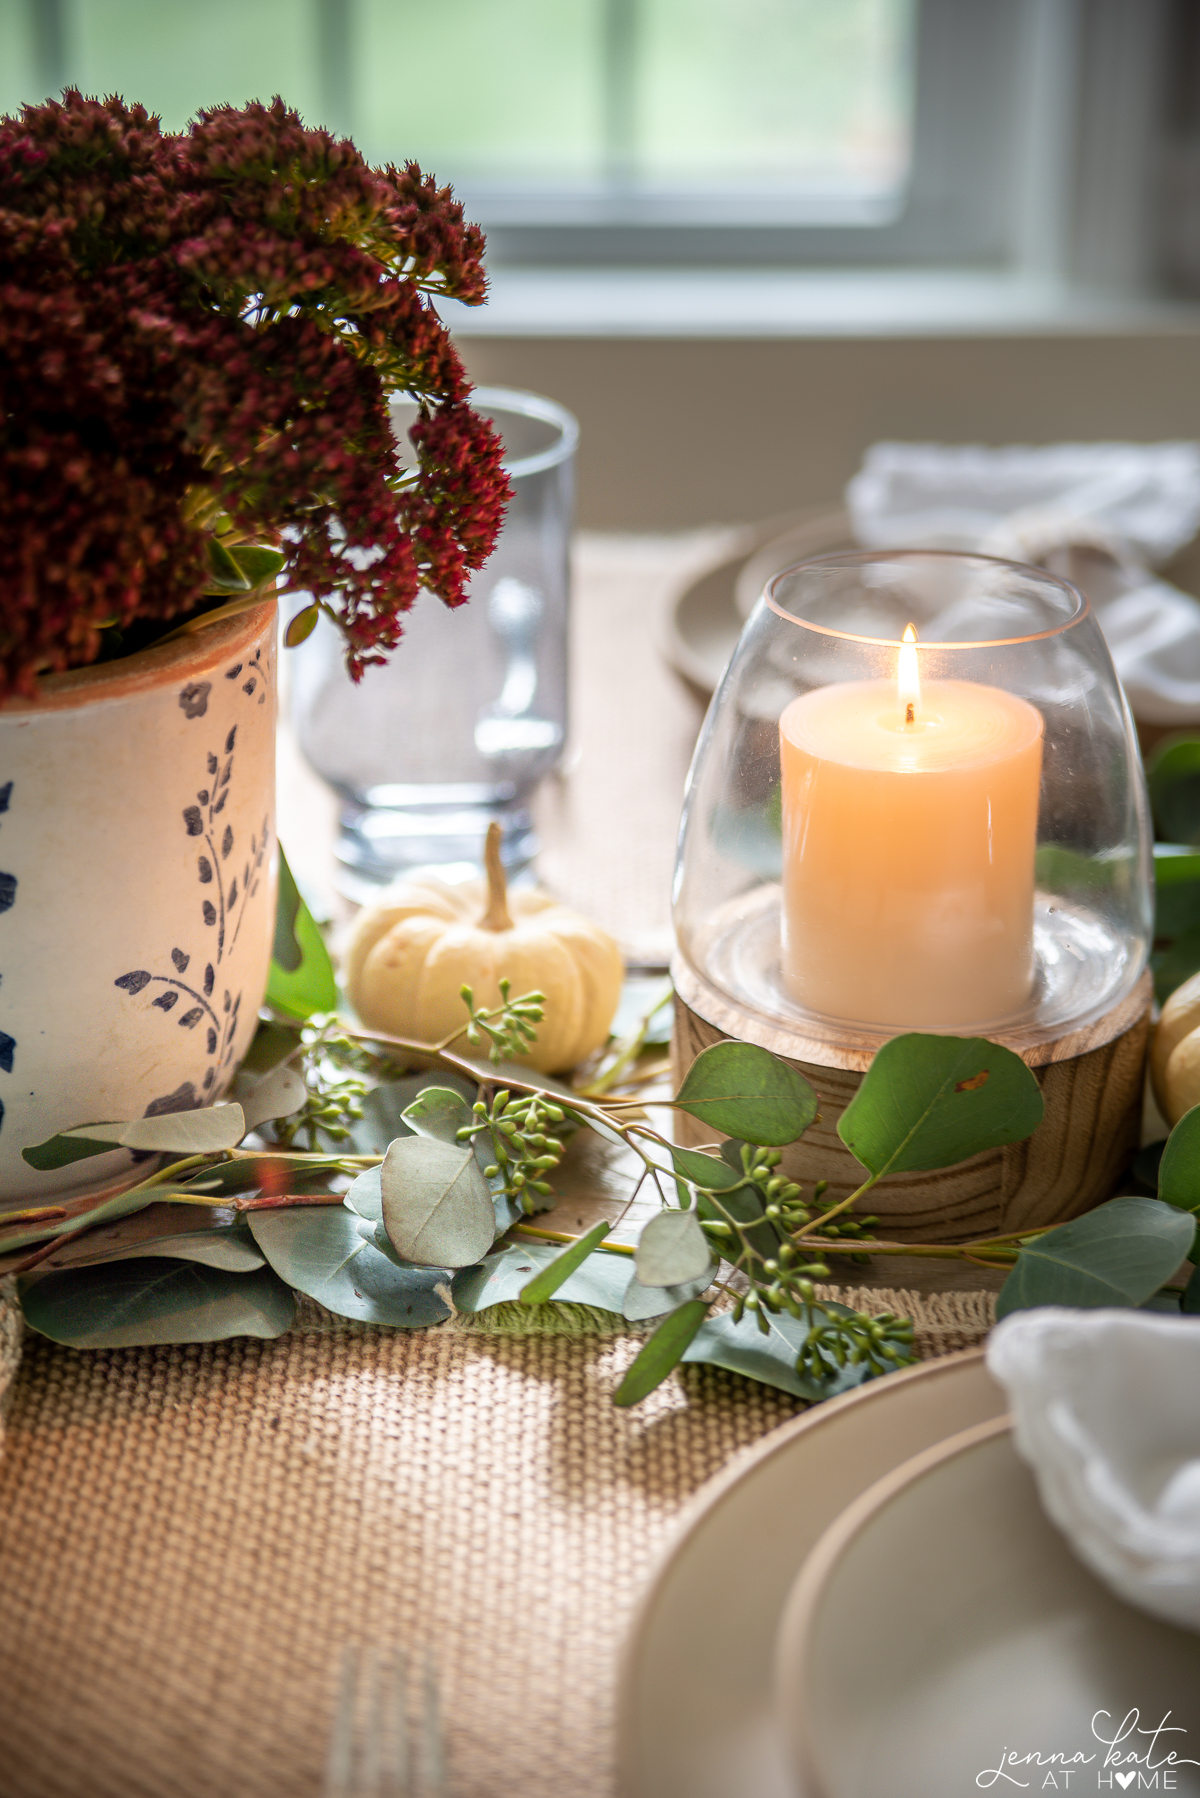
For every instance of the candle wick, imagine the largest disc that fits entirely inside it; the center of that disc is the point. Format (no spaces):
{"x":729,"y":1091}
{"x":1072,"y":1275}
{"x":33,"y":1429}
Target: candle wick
{"x":909,"y":717}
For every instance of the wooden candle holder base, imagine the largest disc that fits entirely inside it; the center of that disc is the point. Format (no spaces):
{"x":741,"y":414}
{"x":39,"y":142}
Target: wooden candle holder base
{"x":1092,"y":1083}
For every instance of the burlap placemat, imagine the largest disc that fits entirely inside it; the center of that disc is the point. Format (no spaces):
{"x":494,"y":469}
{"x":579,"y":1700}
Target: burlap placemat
{"x":188,"y":1536}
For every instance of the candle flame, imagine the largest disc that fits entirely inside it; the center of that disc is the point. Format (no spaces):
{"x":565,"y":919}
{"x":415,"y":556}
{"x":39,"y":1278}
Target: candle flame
{"x":908,"y":679}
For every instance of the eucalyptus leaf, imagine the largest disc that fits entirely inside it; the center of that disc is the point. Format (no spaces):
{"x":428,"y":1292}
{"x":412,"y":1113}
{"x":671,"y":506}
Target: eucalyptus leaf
{"x":130,"y":1304}
{"x":741,"y":1090}
{"x":329,"y":1253}
{"x":662,"y":1352}
{"x":277,"y":1095}
{"x":931,"y":1101}
{"x":1118,"y":1254}
{"x":770,"y":1359}
{"x":1179,"y":1167}
{"x":384,"y":1107}
{"x":705,"y":1171}
{"x":300,"y":1173}
{"x":644,"y":1302}
{"x":365,"y":1195}
{"x":122,"y":1204}
{"x":438,"y":1112}
{"x":546,"y":1282}
{"x":163,"y":1233}
{"x":437,"y":1207}
{"x":198,"y":1132}
{"x":672,"y":1250}
{"x":301,"y":980}
{"x":600,"y":1281}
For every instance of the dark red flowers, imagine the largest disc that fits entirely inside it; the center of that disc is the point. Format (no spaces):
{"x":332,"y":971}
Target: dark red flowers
{"x":200,"y":333}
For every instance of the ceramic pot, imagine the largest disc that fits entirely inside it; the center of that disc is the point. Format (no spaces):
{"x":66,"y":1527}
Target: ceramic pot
{"x":137,"y":890}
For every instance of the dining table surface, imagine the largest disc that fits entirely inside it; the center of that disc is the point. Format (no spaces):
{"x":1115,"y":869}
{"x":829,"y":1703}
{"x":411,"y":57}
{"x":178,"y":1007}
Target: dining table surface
{"x":190,"y":1536}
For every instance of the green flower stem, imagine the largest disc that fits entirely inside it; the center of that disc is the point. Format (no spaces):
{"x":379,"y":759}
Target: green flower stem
{"x":563,"y":1236}
{"x":628,"y":1051}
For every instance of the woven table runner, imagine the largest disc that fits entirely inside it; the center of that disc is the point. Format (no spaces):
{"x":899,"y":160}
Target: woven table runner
{"x":188,"y":1536}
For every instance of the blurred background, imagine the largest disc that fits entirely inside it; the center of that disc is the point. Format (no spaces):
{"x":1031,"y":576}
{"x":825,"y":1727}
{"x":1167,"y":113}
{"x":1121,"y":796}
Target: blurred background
{"x":743,"y":239}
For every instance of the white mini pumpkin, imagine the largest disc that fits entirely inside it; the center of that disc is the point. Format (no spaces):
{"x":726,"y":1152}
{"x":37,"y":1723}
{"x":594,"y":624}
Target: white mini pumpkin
{"x":409,"y":955}
{"x":1175,"y":1054}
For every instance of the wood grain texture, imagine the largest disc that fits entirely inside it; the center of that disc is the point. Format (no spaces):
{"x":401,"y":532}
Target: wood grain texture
{"x":1073,"y":1161}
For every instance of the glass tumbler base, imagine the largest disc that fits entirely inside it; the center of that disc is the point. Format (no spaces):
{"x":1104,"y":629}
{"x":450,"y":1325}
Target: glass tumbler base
{"x":428,"y":830}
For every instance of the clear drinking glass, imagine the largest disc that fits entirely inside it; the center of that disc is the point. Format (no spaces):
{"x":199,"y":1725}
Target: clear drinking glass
{"x":949,"y":833}
{"x":470,"y":713}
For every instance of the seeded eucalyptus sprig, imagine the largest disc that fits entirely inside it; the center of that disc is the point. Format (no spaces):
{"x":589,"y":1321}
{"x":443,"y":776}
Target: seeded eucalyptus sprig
{"x":509,"y":1028}
{"x":516,"y":1128}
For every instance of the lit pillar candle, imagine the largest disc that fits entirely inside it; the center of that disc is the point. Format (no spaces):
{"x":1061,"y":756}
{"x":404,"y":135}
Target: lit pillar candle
{"x":909,"y":833}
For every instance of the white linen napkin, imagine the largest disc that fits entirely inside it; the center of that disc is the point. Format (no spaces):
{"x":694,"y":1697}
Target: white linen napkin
{"x":1102,"y":514}
{"x":1106,"y":1410}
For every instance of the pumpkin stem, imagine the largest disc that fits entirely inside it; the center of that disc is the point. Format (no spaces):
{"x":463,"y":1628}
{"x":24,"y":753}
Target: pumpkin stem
{"x":496,"y":914}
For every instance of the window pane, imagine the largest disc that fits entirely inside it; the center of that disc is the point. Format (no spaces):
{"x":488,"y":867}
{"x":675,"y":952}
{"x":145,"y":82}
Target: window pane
{"x":693,"y":94}
{"x":809,"y":91}
{"x":482,"y":90}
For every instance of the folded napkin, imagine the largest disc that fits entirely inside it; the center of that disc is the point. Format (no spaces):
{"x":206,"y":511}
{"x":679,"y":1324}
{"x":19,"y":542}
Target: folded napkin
{"x":1106,"y":1410}
{"x":1102,"y":514}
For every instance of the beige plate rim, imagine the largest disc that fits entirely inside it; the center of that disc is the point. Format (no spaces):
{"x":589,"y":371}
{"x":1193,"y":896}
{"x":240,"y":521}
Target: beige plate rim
{"x":633,"y":1674}
{"x":795,"y":1631}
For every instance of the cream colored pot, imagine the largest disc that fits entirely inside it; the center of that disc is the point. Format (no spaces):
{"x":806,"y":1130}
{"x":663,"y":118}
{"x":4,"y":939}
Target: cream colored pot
{"x":137,"y":890}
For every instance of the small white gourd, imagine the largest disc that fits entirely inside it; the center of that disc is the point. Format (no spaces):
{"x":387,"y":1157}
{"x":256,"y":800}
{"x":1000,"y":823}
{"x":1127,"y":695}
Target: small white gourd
{"x":408,"y":957}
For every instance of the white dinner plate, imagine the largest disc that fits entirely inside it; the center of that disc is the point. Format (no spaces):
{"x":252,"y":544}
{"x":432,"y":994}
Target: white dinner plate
{"x":695,"y":1717}
{"x":942,"y":1639}
{"x":700,"y":627}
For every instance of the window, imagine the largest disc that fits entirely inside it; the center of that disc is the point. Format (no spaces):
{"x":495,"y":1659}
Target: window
{"x":979,"y":134}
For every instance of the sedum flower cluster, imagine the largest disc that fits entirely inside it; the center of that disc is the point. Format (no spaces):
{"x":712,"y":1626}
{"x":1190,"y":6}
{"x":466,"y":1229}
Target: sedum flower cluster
{"x":199,"y":335}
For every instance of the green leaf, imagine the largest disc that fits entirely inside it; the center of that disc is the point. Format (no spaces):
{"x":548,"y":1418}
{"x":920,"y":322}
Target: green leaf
{"x":224,"y":571}
{"x":439,"y":1113}
{"x":301,"y":980}
{"x":771,"y":1359}
{"x":172,"y":1231}
{"x":600,"y":1281}
{"x":1190,"y":1304}
{"x":662,"y":1351}
{"x":298,"y":1172}
{"x":745,"y":1205}
{"x":1173,"y":776}
{"x":1176,"y":889}
{"x":123,"y":1204}
{"x":277,"y":1095}
{"x":931,"y":1101}
{"x":1171,"y":967}
{"x":741,"y":1090}
{"x":199,"y":1132}
{"x":705,"y":1171}
{"x":330,"y":1254}
{"x":437,"y":1207}
{"x":301,"y":626}
{"x":271,"y":1044}
{"x":547,"y":1281}
{"x":1179,"y":1168}
{"x":644,"y":1302}
{"x":129,"y":1304}
{"x":365,"y":1195}
{"x":672,"y":1250}
{"x":286,"y":949}
{"x":257,"y":563}
{"x":1118,"y":1254}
